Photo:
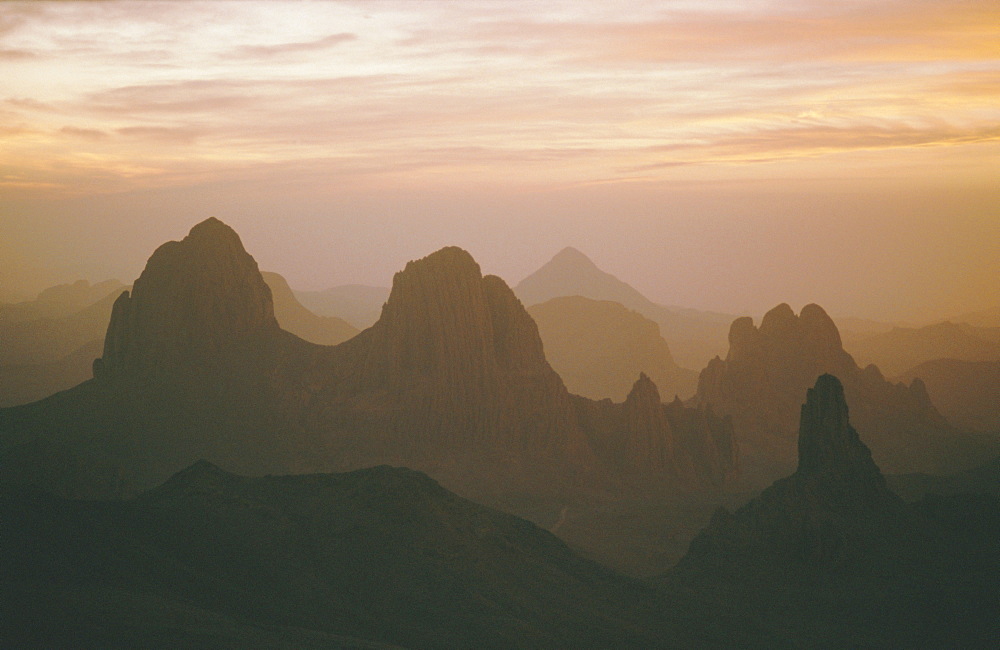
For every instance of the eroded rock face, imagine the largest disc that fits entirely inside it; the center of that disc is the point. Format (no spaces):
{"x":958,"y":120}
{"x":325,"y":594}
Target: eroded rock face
{"x":761,"y":381}
{"x":455,"y":362}
{"x":195,"y":299}
{"x":827,"y":441}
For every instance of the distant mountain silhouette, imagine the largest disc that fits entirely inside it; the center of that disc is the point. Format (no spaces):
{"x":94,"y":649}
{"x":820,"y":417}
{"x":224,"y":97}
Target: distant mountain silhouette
{"x":48,"y":339}
{"x":22,"y":384}
{"x":989,"y":317}
{"x":966,"y":392}
{"x":452,"y":379}
{"x":830,"y":553}
{"x":767,"y":368}
{"x":59,"y":301}
{"x":694,"y":336}
{"x":571,"y":273}
{"x":358,"y":304}
{"x":599,"y":347}
{"x":382,"y":555}
{"x":900,"y":349}
{"x":294,"y":318}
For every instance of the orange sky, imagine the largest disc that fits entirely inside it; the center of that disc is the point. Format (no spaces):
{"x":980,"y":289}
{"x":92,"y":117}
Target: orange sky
{"x":712,"y":155}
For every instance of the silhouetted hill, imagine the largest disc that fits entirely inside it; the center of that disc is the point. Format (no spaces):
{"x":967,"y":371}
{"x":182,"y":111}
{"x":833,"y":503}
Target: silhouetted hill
{"x":966,"y":392}
{"x":767,"y":368}
{"x":829,"y":555}
{"x":294,"y":318}
{"x":381,"y":554}
{"x":358,"y":304}
{"x":694,"y":336}
{"x":900,"y":349}
{"x":599,"y":347}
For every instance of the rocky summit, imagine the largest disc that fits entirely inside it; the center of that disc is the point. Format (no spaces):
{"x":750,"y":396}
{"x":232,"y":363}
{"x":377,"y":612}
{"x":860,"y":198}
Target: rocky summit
{"x":830,"y":553}
{"x":767,"y":369}
{"x":196,"y":299}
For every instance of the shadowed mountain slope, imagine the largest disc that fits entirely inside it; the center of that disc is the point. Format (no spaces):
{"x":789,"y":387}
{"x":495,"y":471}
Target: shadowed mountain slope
{"x":829,"y":554}
{"x":599,"y":347}
{"x":294,"y":318}
{"x":767,"y":368}
{"x":383,"y":555}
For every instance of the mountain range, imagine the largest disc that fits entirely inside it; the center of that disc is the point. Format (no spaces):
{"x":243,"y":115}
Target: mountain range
{"x":451,"y":379}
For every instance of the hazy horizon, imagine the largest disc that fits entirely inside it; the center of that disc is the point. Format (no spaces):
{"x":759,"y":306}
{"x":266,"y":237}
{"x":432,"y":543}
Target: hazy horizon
{"x":710,"y":155}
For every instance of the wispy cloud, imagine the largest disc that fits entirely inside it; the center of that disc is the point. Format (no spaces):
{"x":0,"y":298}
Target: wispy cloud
{"x":320,"y":44}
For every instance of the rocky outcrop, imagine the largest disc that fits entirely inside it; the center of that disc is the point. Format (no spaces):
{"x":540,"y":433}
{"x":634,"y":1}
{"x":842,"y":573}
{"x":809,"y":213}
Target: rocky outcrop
{"x":827,"y":504}
{"x":599,"y":347}
{"x":830,"y":553}
{"x":827,"y":441}
{"x":196,"y":299}
{"x":646,"y":441}
{"x":768,"y":368}
{"x":454,"y":363}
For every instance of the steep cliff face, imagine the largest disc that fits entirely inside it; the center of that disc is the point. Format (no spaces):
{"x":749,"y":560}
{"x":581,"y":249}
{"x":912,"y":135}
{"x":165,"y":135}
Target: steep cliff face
{"x":645,"y":441}
{"x":454,"y":365}
{"x":827,"y":508}
{"x":768,"y":368}
{"x":196,"y":299}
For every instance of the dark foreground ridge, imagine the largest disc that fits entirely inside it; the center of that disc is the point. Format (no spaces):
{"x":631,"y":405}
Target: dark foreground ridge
{"x":377,"y":556}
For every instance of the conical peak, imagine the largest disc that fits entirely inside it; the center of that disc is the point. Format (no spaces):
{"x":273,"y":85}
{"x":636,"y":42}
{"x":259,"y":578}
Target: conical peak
{"x":212,"y":228}
{"x":827,"y":441}
{"x":572,"y":256}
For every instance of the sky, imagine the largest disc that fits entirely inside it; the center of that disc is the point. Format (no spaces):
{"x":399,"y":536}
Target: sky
{"x":715,"y":154}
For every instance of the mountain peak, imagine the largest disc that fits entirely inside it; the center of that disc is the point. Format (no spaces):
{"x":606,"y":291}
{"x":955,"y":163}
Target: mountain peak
{"x":571,"y":273}
{"x":572,"y":256}
{"x":195,"y":298}
{"x":827,"y":441}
